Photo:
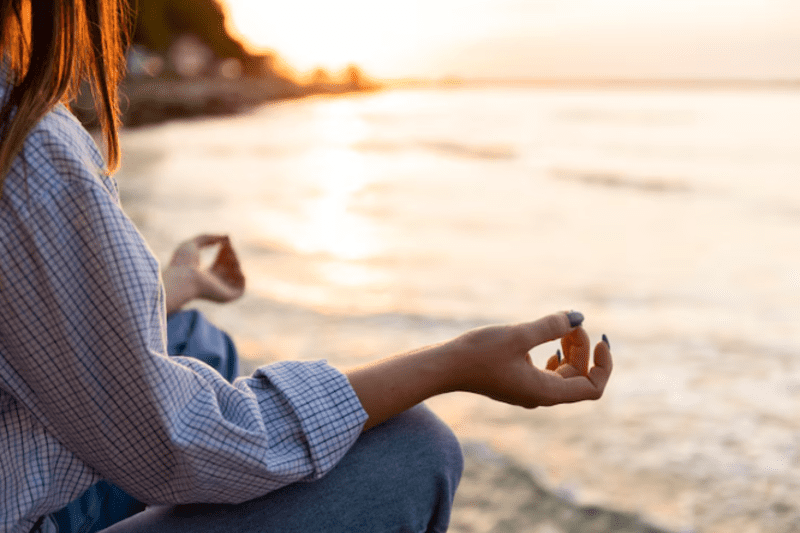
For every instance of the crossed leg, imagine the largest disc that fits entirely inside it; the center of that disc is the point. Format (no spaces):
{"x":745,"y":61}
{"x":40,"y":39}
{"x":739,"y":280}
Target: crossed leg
{"x":400,"y":476}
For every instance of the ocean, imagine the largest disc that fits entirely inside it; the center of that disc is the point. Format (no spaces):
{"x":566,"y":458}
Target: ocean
{"x":371,"y":224}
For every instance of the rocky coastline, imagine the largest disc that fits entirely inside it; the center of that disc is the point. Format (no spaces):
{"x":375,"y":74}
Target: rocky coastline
{"x":150,"y":100}
{"x":183,"y":62}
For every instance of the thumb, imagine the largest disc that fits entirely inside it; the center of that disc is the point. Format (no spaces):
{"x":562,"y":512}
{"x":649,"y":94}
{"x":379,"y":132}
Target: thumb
{"x":550,"y":327}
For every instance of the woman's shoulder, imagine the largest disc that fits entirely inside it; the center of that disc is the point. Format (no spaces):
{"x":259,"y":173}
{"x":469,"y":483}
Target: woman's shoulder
{"x":59,"y":157}
{"x":66,"y":144}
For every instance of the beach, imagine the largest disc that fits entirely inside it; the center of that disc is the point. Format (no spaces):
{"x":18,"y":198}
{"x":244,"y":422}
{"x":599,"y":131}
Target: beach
{"x":371,"y":224}
{"x":499,"y":496}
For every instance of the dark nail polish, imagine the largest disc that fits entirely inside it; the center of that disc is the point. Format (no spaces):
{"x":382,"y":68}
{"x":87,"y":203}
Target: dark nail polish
{"x":605,"y":340}
{"x":558,"y":353}
{"x":575,"y":318}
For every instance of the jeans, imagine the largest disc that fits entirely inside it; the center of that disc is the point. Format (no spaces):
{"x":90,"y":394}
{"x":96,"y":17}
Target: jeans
{"x":400,"y":476}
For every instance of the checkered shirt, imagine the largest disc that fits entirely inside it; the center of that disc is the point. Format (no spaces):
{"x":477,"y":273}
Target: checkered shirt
{"x":86,"y":390}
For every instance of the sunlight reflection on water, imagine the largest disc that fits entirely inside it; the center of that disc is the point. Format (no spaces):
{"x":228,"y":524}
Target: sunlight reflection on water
{"x":328,"y":223}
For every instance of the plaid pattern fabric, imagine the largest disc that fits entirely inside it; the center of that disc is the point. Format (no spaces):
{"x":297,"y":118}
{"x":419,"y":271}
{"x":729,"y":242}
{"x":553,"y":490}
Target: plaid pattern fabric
{"x":86,"y":390}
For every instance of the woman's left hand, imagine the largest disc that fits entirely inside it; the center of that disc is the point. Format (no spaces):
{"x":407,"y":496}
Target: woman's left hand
{"x":185,"y":280}
{"x":496,"y":363}
{"x":493,"y":361}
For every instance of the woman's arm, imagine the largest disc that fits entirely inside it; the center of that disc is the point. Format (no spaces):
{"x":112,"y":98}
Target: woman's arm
{"x":82,"y":349}
{"x":492,"y":361}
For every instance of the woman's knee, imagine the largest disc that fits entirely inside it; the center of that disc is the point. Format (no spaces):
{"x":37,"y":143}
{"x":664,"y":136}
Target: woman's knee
{"x":421,"y":464}
{"x":431,"y":443}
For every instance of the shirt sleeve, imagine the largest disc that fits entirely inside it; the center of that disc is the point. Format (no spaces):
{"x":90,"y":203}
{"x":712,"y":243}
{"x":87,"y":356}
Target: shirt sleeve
{"x":85,"y":332}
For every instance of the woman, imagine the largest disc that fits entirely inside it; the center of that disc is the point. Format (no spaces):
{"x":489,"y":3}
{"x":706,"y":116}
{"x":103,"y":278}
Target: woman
{"x":88,"y":394}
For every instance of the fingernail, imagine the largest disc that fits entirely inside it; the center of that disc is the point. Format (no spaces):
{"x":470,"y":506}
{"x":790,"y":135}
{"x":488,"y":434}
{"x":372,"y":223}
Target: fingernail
{"x":605,"y":340}
{"x":575,"y":318}
{"x":558,"y":353}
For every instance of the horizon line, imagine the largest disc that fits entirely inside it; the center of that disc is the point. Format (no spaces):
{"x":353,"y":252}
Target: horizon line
{"x":595,"y":81}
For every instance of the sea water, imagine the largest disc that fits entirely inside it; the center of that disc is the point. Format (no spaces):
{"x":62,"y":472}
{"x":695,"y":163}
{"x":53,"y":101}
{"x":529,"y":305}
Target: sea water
{"x":375,"y":223}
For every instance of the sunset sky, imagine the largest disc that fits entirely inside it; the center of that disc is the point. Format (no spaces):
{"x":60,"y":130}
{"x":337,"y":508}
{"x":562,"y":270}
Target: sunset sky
{"x":531,"y":38}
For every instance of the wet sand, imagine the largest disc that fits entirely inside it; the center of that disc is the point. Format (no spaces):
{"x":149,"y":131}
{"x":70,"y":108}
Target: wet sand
{"x":496,"y":495}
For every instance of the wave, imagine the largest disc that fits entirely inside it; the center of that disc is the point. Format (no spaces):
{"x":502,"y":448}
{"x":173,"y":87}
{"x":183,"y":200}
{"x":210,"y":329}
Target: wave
{"x":644,"y":117}
{"x":448,"y":148}
{"x":622,"y":180}
{"x":470,"y":151}
{"x":395,"y":320}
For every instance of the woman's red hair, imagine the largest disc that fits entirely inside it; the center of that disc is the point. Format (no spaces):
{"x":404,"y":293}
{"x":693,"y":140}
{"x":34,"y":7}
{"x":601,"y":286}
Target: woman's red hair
{"x":49,"y":47}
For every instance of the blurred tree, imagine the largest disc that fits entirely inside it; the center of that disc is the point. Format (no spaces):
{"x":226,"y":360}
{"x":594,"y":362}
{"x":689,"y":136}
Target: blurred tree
{"x":159,"y":23}
{"x":320,"y":76}
{"x":354,"y":77}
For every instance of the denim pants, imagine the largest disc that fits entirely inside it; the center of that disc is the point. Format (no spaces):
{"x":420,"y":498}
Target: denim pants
{"x":400,"y":476}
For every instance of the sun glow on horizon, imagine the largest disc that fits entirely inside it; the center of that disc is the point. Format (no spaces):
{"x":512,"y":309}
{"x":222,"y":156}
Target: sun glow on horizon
{"x":525,"y":38}
{"x":308,"y":35}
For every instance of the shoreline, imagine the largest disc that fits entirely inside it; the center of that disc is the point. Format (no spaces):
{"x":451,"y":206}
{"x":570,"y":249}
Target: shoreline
{"x":497,"y":494}
{"x":145,"y":101}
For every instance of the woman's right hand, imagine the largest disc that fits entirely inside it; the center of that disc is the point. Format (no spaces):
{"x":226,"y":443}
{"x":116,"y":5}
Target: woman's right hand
{"x":185,"y":279}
